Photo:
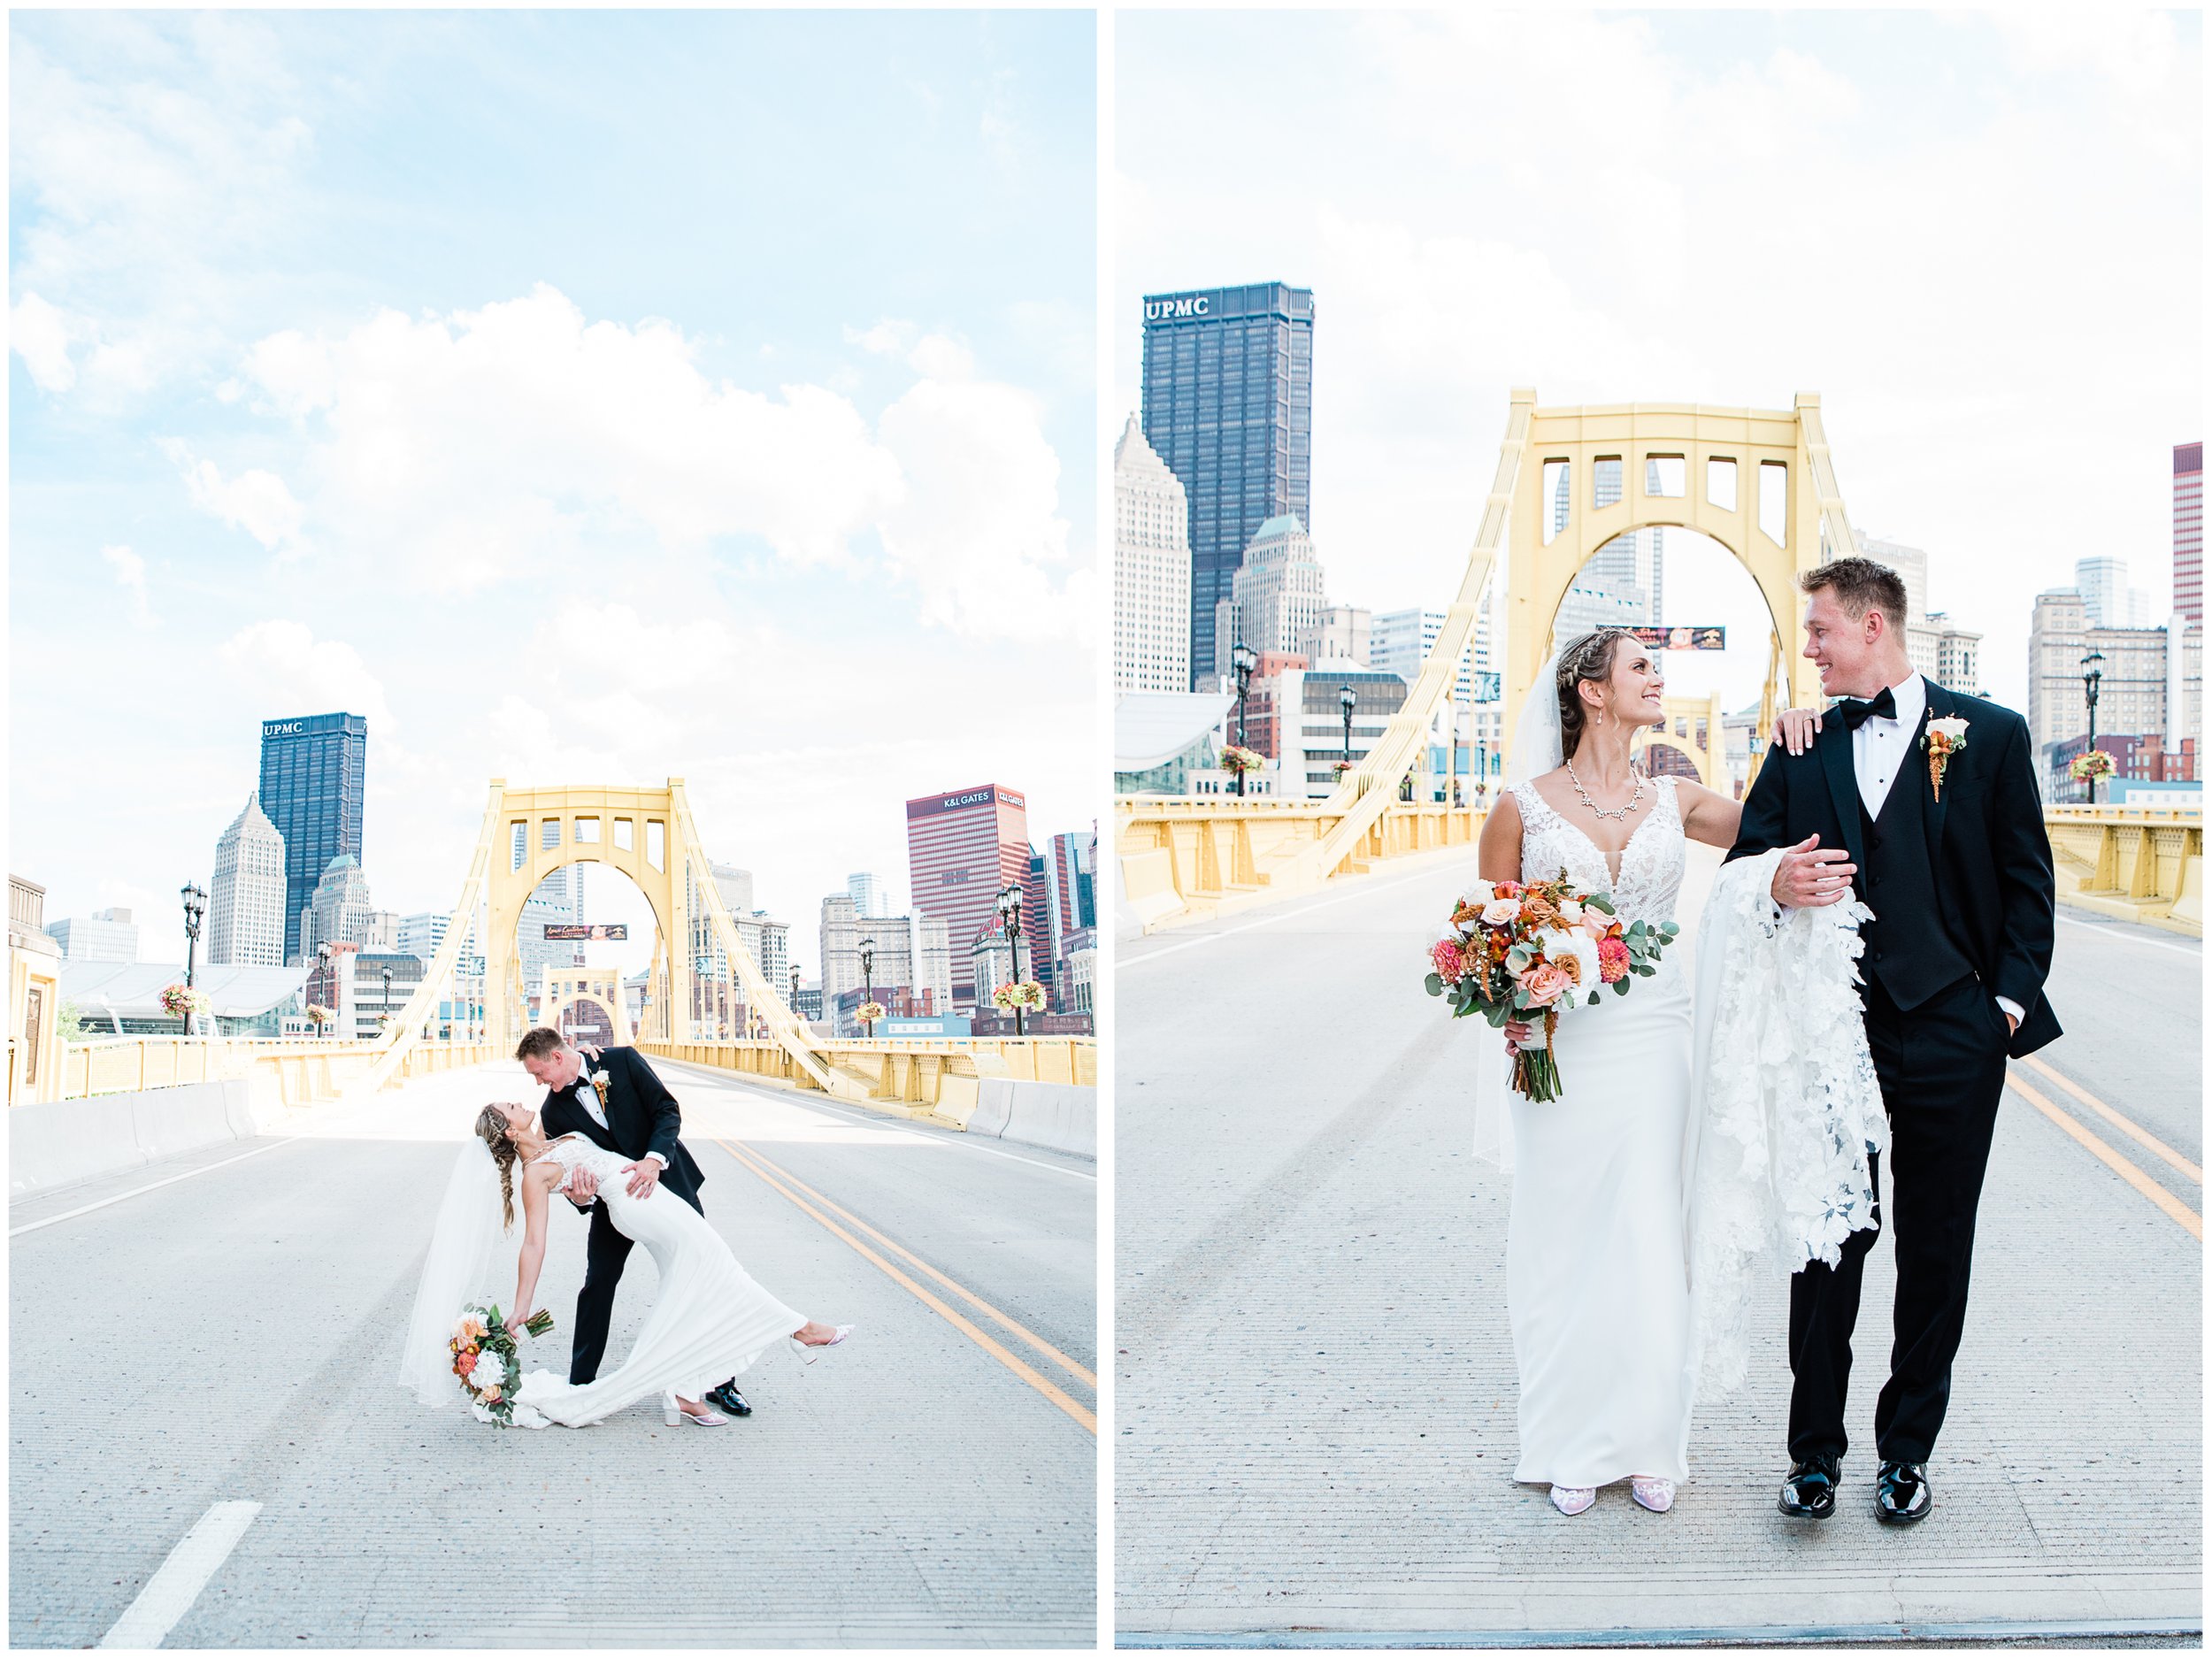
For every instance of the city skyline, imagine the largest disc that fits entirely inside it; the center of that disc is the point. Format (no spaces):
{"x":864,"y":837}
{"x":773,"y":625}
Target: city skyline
{"x":2026,"y":287}
{"x":272,"y":456}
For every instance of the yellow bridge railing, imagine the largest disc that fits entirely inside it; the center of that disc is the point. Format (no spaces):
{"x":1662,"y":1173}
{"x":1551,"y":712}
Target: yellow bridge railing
{"x":1185,"y":860}
{"x":2143,"y":863}
{"x":908,"y":1076}
{"x":304,"y":1070}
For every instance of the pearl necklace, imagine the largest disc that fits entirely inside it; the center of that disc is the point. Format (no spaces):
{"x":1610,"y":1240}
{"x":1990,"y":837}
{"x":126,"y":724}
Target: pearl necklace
{"x":1619,"y":813}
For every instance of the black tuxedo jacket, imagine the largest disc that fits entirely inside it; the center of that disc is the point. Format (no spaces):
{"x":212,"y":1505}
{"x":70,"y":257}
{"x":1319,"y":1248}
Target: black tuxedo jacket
{"x":1986,"y":845}
{"x":642,"y":1117}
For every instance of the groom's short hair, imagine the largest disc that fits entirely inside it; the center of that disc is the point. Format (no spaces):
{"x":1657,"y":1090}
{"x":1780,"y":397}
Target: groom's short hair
{"x":542,"y":1043}
{"x":1860,"y":585}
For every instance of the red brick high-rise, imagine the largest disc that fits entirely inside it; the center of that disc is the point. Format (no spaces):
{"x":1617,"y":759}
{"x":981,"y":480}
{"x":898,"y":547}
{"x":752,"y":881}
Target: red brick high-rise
{"x":962,"y":849}
{"x":2189,"y":530}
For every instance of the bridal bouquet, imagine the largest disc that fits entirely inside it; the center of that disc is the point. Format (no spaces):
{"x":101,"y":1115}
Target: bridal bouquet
{"x":1522,"y":951}
{"x":484,"y":1358}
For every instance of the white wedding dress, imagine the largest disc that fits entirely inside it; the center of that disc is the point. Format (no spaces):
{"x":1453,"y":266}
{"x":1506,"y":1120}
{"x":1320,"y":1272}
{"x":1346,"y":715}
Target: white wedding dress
{"x":709,"y":1320}
{"x":1596,"y":1287}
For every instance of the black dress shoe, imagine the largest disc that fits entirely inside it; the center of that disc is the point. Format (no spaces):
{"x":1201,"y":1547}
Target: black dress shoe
{"x":1810,"y":1493}
{"x":728,"y":1399}
{"x":1902,"y":1494}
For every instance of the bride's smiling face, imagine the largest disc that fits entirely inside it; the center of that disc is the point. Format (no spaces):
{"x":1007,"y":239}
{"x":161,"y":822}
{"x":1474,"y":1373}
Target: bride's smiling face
{"x":1633,"y":693}
{"x":519,"y":1116}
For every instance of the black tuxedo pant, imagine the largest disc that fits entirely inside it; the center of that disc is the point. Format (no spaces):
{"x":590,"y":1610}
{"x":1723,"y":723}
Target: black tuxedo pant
{"x":1942,"y":1072}
{"x":605,"y":1253}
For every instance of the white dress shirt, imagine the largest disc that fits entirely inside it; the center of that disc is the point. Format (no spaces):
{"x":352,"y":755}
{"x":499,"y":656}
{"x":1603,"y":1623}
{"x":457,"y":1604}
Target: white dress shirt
{"x":1882,"y":747}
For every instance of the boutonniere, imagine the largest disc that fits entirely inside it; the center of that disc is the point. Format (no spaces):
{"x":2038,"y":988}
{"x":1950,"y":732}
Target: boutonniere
{"x":1944,"y":737}
{"x":599,"y":1086}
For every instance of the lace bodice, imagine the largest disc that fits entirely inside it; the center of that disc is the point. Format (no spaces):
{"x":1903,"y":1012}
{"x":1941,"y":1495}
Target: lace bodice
{"x":1651,"y":864}
{"x":573,"y":1152}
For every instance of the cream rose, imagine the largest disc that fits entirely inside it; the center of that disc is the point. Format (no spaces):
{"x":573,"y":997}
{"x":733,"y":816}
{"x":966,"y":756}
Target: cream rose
{"x":1501,"y":912}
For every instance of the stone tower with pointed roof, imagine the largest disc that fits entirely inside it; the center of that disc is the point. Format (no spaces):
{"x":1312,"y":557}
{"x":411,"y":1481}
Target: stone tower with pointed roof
{"x":1151,"y":570}
{"x":245,"y":906}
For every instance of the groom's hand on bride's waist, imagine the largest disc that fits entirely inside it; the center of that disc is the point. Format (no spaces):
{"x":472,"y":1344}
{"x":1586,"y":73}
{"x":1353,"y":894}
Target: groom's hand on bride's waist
{"x":583,"y":1188}
{"x":645,"y":1175}
{"x":1809,"y":874}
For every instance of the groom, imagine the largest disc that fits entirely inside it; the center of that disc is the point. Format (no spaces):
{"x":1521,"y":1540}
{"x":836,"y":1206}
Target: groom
{"x":1950,"y":854}
{"x":637,"y":1117}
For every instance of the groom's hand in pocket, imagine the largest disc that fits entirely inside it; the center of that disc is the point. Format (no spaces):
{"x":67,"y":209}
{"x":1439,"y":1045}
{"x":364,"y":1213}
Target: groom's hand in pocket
{"x":1809,"y":874}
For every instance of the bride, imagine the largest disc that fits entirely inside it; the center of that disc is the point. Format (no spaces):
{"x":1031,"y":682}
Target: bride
{"x":1595,"y":1284}
{"x":710,"y":1319}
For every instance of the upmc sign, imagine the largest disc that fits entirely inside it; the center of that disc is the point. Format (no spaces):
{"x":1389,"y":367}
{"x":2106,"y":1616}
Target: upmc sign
{"x":283,"y":727}
{"x":1176,"y":305}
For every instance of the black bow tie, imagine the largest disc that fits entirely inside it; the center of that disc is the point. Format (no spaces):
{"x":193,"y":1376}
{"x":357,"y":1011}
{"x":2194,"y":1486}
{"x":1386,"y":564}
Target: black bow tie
{"x":1856,"y":713}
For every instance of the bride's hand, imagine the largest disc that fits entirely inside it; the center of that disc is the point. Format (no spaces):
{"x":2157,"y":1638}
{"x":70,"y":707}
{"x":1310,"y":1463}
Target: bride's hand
{"x":1793,"y":728}
{"x":1517,"y":1032}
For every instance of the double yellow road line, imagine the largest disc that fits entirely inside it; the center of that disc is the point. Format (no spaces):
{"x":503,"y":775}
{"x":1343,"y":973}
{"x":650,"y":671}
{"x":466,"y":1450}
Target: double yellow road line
{"x":820,"y":1208}
{"x":2181,"y":1214}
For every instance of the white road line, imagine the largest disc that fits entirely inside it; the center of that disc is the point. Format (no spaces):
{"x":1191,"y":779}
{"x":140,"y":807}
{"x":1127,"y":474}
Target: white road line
{"x":55,"y":1220}
{"x":2129,"y":938}
{"x":1121,"y":961}
{"x":866,"y":1119}
{"x":169,"y":1594}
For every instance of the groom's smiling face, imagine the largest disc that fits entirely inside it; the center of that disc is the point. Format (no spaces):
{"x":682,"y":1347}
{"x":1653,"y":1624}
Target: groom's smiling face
{"x":557,"y":1070}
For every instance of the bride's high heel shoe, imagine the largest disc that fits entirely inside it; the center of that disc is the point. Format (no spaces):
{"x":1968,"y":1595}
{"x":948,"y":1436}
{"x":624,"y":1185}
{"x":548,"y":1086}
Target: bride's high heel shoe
{"x":807,"y":1349}
{"x":673,"y":1413}
{"x":1652,"y":1493}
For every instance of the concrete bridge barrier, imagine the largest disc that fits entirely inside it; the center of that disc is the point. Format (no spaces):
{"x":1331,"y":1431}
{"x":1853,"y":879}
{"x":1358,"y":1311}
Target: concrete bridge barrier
{"x":1052,"y":1115}
{"x":61,"y":1142}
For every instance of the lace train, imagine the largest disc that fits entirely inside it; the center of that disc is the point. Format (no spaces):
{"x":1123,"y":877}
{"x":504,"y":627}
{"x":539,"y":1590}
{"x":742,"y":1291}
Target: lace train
{"x":1776,"y":1172}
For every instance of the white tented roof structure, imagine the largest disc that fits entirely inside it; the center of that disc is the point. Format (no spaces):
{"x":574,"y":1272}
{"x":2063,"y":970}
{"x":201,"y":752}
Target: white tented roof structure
{"x":1152,"y":727}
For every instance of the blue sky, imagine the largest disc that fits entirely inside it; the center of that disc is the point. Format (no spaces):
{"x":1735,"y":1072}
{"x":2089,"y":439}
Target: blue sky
{"x":1977,"y":236}
{"x":581,"y":395}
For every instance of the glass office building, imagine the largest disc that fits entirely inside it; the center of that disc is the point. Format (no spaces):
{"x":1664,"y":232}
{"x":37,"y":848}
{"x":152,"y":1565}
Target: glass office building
{"x":313,"y":769}
{"x":1228,"y":405}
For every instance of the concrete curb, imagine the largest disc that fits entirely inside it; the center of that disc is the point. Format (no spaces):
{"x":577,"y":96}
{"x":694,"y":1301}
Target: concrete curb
{"x":61,"y":1142}
{"x":1051,"y":1115}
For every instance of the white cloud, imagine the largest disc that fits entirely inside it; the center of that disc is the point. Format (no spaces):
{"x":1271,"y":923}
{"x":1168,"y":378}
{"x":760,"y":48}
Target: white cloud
{"x":936,"y":355}
{"x":39,"y":334}
{"x":475,"y":447}
{"x":130,"y":574}
{"x":978,"y":531}
{"x":280,"y":664}
{"x":145,"y":190}
{"x":255,"y":500}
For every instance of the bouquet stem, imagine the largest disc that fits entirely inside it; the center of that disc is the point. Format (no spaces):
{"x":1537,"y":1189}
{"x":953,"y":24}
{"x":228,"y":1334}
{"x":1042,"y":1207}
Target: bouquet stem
{"x":1536,"y":1071}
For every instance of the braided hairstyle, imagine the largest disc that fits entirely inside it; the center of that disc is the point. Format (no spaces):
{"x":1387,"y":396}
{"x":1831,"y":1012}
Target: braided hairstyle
{"x":495,"y":1131}
{"x":1588,"y":658}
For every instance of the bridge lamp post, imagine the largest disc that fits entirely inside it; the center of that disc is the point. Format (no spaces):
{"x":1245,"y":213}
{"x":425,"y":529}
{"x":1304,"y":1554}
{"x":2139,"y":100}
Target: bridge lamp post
{"x":2092,"y":680}
{"x":195,"y":910}
{"x":867,"y":978}
{"x":1009,"y":911}
{"x":388,"y":996}
{"x":1243,"y":658}
{"x":1347,"y":699}
{"x":322,"y":955}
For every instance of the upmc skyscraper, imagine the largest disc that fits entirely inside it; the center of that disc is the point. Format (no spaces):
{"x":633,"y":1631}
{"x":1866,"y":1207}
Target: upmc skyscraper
{"x":1228,"y":405}
{"x":312,"y":770}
